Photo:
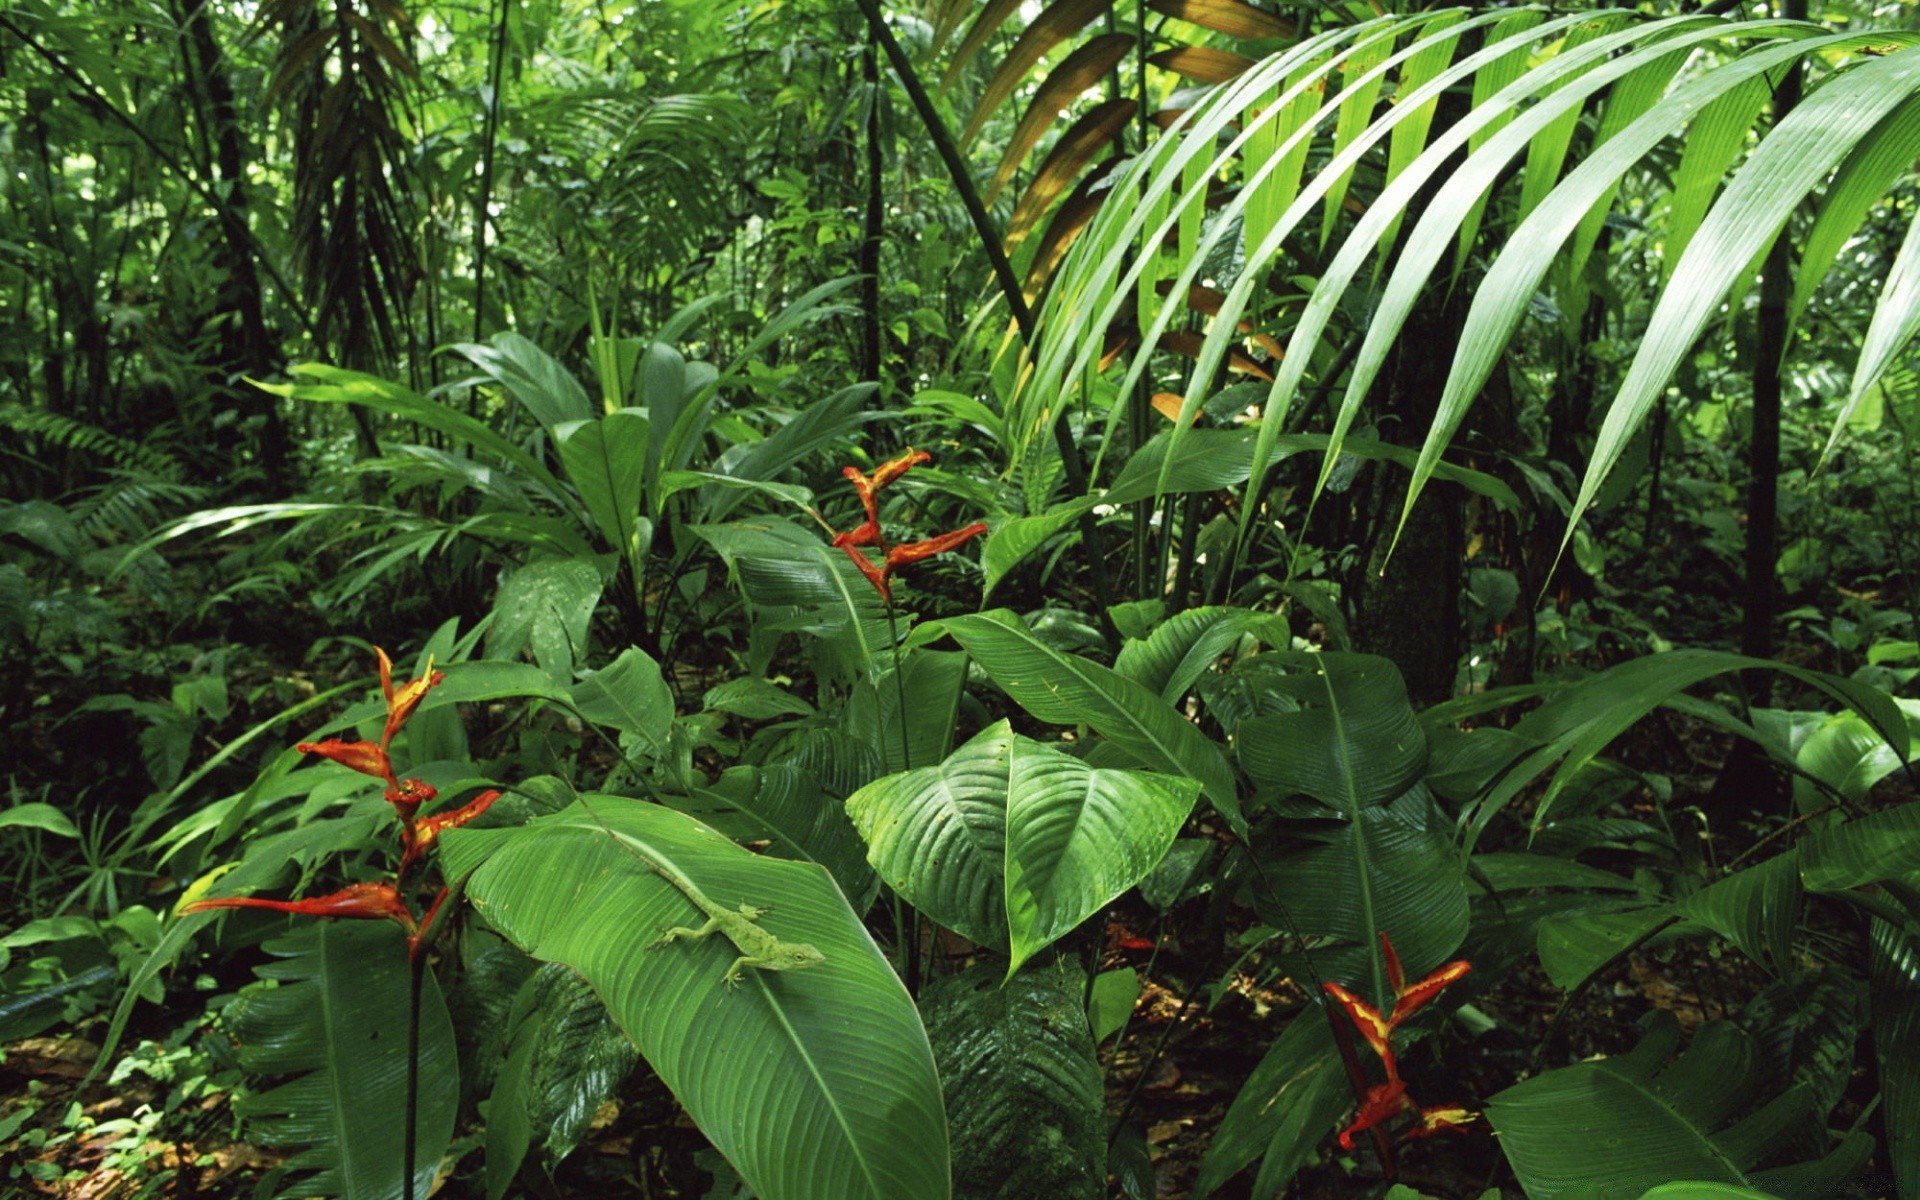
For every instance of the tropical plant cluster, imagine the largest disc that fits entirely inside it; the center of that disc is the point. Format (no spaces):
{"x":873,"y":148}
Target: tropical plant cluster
{"x":1206,"y":598}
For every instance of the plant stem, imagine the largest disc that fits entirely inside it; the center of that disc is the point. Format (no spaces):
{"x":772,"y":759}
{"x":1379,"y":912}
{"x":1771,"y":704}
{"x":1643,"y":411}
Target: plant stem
{"x":994,"y":249}
{"x":908,"y":929}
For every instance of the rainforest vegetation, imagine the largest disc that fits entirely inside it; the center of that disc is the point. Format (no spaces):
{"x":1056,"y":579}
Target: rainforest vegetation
{"x":995,"y":599}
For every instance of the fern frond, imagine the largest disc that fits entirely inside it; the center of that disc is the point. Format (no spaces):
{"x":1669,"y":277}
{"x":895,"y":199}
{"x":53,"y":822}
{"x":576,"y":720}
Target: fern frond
{"x":54,"y":431}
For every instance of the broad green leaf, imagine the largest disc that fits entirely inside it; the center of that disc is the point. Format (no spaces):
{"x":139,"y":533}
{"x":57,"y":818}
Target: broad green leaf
{"x":1580,"y":721}
{"x":1867,"y":850}
{"x":1393,"y":868}
{"x":815,"y":1083}
{"x":1183,"y":647}
{"x":1893,"y":991}
{"x":1013,"y":843}
{"x":565,"y":1058}
{"x":1756,"y":909}
{"x":338,"y":1022}
{"x":1804,"y":1029}
{"x":1702,"y":1189}
{"x":606,"y":461}
{"x":1289,"y":1103}
{"x":929,"y":686}
{"x":1353,"y":743}
{"x":44,"y":817}
{"x":548,"y":605}
{"x":785,"y":569}
{"x":1009,"y":541}
{"x":938,"y":835}
{"x":1077,"y":837}
{"x":1114,"y":995}
{"x":533,"y":377}
{"x":337,"y":386}
{"x":816,"y":426}
{"x":787,"y":806}
{"x":629,"y":694}
{"x":1519,"y":872}
{"x":1621,"y":1125}
{"x":1065,"y":689}
{"x":1017,"y":1062}
{"x":1573,"y":945}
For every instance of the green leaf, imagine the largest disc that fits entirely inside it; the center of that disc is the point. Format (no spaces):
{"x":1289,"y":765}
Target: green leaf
{"x":788,"y":806}
{"x":338,"y":1021}
{"x":44,"y":817}
{"x":1756,"y":909}
{"x":1355,"y":743}
{"x":938,"y":835}
{"x":630,"y":695}
{"x":565,"y":1057}
{"x":932,"y":682}
{"x":1804,"y":1028}
{"x":1573,"y":945}
{"x":606,"y":460}
{"x":1182,"y":648}
{"x":339,"y":386}
{"x":1065,"y":689}
{"x":1390,"y":868}
{"x":1702,"y":1189}
{"x":1114,"y":995}
{"x":1021,"y":1082}
{"x":549,"y":605}
{"x":1893,"y":991}
{"x":1621,"y":1125}
{"x":533,"y":377}
{"x":1012,"y":539}
{"x":1013,"y":843}
{"x":1286,"y":1107}
{"x":1077,"y":837}
{"x":832,"y":1058}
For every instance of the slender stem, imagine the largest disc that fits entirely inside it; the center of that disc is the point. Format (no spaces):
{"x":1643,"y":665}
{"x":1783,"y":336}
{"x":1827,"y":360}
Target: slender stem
{"x":908,"y":929}
{"x":994,"y":248}
{"x":489,"y":135}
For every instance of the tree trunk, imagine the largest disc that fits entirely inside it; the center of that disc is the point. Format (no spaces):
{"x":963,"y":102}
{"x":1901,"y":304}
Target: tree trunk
{"x":1408,"y":608}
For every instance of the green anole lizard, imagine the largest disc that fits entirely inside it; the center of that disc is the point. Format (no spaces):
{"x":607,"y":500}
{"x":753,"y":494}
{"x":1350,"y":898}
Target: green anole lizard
{"x":758,"y":948}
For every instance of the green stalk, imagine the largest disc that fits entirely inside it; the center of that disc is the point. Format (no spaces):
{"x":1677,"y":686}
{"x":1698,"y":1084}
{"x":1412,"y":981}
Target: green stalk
{"x":991,"y":245}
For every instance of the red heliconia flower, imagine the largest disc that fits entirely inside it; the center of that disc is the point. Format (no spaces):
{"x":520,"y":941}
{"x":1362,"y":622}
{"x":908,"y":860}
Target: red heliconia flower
{"x":1439,"y":1119}
{"x":368,"y":758}
{"x":409,"y":796}
{"x":426,"y":831}
{"x":912,"y":552}
{"x":1383,"y":1101}
{"x":869,"y":533}
{"x":877,"y":576}
{"x":362,"y":901}
{"x":1375,"y":1028}
{"x":401,"y":701}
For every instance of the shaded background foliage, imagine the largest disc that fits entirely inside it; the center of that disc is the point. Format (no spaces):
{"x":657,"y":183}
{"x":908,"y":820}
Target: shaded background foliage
{"x":1189,"y":308}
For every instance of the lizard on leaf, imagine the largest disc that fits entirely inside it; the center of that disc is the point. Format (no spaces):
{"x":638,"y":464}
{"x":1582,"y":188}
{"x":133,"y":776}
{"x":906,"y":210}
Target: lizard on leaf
{"x":758,"y":948}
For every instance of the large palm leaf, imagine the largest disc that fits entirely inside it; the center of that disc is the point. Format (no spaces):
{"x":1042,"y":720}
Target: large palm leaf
{"x":1531,"y":79}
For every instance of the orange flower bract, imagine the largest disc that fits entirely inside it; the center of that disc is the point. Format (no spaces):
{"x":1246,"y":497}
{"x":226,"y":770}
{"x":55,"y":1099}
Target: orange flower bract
{"x":868,"y":533}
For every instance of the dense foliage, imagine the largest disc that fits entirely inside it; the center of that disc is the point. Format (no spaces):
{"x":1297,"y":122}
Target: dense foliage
{"x":945,"y":564}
